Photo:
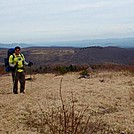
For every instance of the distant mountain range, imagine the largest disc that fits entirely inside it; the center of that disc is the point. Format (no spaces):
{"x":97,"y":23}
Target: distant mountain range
{"x":118,"y":42}
{"x":68,"y":55}
{"x":114,"y":50}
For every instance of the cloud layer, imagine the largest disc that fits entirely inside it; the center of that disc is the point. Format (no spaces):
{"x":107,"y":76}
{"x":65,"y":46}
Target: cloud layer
{"x":56,"y":20}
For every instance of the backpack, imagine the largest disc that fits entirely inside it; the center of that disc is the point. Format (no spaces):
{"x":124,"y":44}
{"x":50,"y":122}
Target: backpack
{"x":6,"y":60}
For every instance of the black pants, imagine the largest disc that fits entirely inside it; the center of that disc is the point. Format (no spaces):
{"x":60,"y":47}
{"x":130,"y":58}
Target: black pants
{"x":18,"y":76}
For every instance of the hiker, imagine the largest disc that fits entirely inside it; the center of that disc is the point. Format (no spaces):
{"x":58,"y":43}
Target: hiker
{"x":17,"y":62}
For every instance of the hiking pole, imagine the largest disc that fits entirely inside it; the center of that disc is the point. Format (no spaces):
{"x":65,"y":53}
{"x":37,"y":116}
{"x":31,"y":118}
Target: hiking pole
{"x":31,"y":76}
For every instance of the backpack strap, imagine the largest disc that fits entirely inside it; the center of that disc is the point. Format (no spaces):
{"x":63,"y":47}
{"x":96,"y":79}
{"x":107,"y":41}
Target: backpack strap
{"x":22,"y":58}
{"x":20,"y":54}
{"x":13,"y":57}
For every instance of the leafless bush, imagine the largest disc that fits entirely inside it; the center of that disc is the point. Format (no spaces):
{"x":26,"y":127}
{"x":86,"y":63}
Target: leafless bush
{"x":66,"y":119}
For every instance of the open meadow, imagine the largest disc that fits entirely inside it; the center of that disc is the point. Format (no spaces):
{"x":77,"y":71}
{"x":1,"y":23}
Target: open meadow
{"x":66,"y":104}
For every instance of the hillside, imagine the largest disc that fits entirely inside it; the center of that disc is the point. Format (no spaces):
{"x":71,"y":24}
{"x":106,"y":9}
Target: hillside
{"x":94,"y":55}
{"x":69,"y":55}
{"x":108,"y":95}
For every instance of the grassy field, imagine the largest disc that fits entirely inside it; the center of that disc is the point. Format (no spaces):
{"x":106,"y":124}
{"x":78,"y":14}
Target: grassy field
{"x":66,"y":104}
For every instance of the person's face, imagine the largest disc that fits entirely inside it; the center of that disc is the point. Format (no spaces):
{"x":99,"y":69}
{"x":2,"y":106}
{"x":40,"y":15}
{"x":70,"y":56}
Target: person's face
{"x":17,"y":51}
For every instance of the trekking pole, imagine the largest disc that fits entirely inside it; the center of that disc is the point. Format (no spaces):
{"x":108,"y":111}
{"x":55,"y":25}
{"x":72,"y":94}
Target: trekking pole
{"x":31,"y":77}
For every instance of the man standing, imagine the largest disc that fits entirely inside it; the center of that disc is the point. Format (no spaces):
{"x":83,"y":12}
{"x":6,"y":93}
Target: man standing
{"x":17,"y":61}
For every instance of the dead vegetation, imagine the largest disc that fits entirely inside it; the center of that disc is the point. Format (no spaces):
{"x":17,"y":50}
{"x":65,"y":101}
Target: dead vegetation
{"x":64,"y":104}
{"x":67,"y":119}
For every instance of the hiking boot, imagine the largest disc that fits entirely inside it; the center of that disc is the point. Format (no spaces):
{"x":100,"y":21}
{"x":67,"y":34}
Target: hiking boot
{"x":22,"y":92}
{"x":15,"y":92}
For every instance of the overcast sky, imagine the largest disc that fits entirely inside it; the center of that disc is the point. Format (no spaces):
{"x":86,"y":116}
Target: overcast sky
{"x":33,"y":21}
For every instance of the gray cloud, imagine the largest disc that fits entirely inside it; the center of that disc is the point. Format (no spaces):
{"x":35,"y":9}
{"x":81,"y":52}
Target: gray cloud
{"x":65,"y":19}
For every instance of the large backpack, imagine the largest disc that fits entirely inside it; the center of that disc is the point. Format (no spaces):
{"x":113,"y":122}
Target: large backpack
{"x":6,"y":60}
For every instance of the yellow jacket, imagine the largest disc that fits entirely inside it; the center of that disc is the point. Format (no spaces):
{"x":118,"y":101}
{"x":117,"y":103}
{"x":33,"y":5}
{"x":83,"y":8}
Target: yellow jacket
{"x":13,"y":59}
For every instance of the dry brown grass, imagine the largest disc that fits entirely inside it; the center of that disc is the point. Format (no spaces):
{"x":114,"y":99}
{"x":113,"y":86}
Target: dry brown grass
{"x":65,"y":119}
{"x":81,"y":106}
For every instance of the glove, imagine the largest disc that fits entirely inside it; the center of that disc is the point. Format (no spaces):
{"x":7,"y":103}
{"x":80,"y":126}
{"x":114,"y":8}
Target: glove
{"x":30,"y":63}
{"x":16,"y":65}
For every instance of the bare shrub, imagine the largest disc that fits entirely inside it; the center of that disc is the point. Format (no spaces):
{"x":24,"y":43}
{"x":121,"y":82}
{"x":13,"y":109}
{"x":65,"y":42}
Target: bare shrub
{"x":66,"y":119}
